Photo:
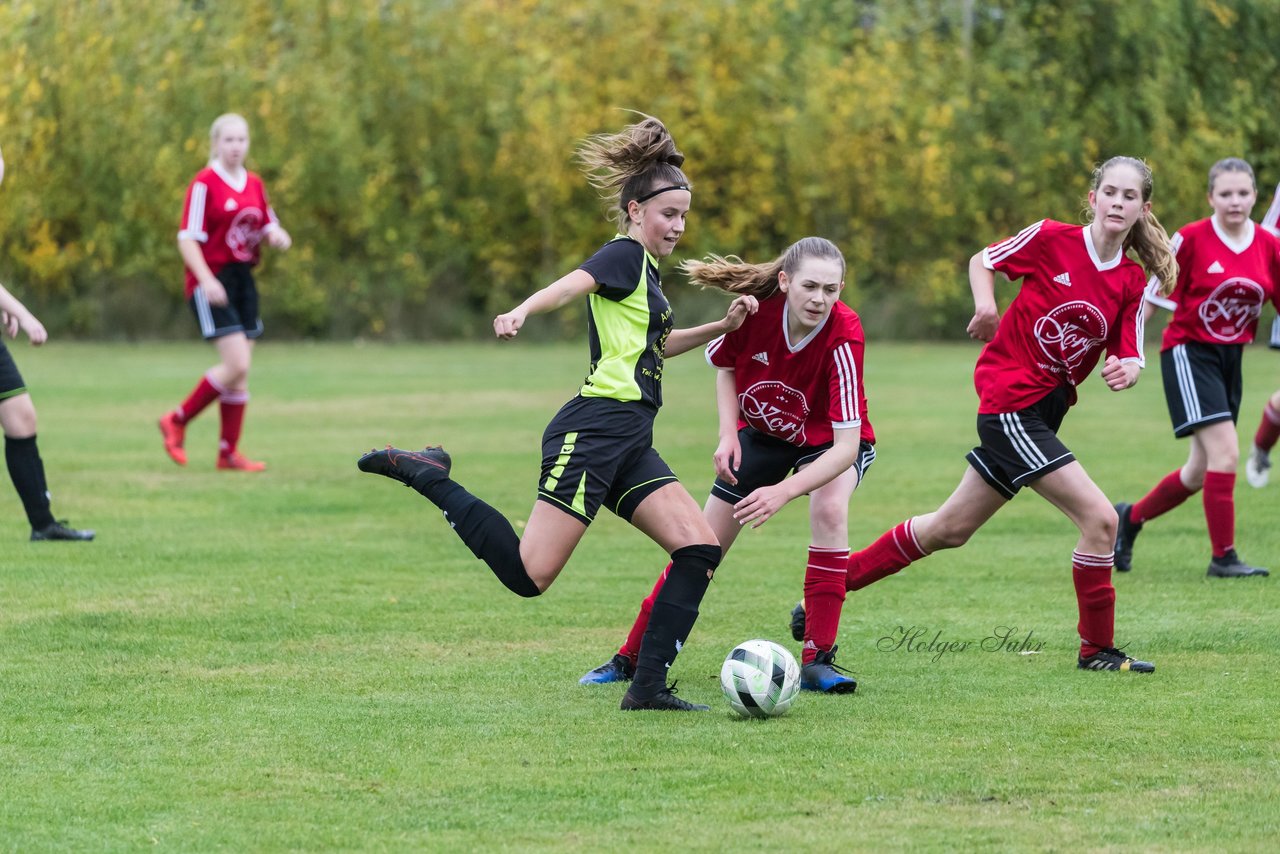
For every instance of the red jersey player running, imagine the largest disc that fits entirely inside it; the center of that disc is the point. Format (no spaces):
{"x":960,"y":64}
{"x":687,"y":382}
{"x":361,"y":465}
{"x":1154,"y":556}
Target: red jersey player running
{"x":1080,"y":293}
{"x":225,"y":218}
{"x":1227,"y":269}
{"x":790,"y":398}
{"x":1257,"y":468}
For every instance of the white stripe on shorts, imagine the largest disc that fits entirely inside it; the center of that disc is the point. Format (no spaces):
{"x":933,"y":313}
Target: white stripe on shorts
{"x":1021,"y":442}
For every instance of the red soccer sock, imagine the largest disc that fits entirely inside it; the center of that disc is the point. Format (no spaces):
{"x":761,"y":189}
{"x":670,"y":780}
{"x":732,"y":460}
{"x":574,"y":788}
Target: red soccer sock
{"x":1096,"y":599}
{"x":1220,"y":510}
{"x":631,"y":647}
{"x":895,"y":549}
{"x":205,"y":393}
{"x":232,"y":405}
{"x":823,"y":598}
{"x":1269,"y":429}
{"x":1166,"y":495}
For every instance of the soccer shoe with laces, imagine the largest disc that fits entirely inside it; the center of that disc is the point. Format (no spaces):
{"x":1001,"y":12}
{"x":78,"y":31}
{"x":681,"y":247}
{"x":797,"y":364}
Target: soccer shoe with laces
{"x":430,"y":464}
{"x":797,"y":622}
{"x":174,"y":434}
{"x":1109,"y":658}
{"x":1126,"y":533}
{"x":59,"y":531}
{"x":236,"y":461}
{"x":822,"y":674}
{"x":1257,"y":469}
{"x":663,"y":701}
{"x":617,"y":669}
{"x":1231,"y":566}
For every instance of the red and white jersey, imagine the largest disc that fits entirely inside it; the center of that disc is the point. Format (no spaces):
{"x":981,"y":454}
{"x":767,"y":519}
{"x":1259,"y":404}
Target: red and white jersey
{"x":1222,"y":284}
{"x":1071,"y":305}
{"x":799,"y":392}
{"x":227,"y":217}
{"x":1271,"y":222}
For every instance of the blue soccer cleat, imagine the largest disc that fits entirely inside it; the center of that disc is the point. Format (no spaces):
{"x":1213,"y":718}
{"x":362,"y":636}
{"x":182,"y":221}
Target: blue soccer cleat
{"x":617,"y":669}
{"x":823,"y":675}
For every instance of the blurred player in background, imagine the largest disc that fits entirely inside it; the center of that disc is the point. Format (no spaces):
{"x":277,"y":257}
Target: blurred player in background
{"x":224,"y":220}
{"x":1228,"y":268}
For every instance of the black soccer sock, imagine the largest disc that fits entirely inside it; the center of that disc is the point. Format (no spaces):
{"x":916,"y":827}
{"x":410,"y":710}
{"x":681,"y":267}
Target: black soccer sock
{"x":27,"y":471}
{"x":486,"y":532}
{"x":674,"y":613}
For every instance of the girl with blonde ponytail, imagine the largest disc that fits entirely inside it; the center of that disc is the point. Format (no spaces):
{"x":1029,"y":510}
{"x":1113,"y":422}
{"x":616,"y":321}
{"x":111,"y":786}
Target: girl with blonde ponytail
{"x":1227,"y":268}
{"x":1080,"y":295}
{"x":598,"y":449}
{"x":791,"y":401}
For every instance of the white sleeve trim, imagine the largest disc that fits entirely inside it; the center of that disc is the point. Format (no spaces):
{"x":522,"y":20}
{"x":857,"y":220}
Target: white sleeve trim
{"x":201,"y":236}
{"x":846,"y":425}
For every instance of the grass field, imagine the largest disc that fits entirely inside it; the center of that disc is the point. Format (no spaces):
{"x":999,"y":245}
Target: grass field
{"x":309,"y":660}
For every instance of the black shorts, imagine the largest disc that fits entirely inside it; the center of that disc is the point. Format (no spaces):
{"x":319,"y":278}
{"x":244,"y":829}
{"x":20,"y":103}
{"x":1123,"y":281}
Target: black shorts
{"x":1021,"y":447}
{"x":600,"y":451}
{"x":240,"y":314}
{"x":1202,"y":384}
{"x":11,"y":384}
{"x":767,"y":460}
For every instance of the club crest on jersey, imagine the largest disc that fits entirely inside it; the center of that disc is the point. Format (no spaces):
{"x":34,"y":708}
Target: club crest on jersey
{"x":245,"y":233}
{"x":777,"y":409}
{"x":1067,"y":333}
{"x":1231,"y":307}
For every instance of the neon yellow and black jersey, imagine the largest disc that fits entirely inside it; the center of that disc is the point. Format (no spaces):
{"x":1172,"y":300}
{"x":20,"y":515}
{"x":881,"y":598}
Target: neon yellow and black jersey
{"x":628,"y":320}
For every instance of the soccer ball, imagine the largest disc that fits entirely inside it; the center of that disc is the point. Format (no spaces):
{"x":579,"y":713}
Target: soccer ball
{"x":760,"y":679}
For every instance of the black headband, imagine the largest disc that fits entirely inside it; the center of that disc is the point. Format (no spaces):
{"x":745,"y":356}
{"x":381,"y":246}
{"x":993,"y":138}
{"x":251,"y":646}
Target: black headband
{"x":649,"y":195}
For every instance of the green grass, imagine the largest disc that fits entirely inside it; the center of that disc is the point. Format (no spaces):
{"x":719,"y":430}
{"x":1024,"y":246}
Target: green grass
{"x":308,"y":659}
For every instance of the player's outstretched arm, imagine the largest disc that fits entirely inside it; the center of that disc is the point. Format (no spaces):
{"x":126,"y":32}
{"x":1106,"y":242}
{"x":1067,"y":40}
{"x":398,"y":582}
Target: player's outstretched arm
{"x":684,"y":340}
{"x":14,"y":316}
{"x":563,"y":290}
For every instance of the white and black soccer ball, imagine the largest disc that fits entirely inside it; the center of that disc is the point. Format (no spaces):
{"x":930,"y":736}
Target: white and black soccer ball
{"x":760,"y":679}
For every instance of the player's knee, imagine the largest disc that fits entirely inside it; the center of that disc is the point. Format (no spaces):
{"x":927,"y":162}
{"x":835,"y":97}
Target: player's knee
{"x":18,"y":417}
{"x":1101,"y":524}
{"x":829,"y":518}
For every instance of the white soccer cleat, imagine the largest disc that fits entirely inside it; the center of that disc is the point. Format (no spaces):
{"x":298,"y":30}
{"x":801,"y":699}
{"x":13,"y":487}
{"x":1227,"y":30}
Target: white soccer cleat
{"x":1257,"y":469}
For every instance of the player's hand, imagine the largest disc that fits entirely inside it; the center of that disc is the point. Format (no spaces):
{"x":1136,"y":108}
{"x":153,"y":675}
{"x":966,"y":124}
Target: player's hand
{"x":214,"y":292}
{"x":760,"y":505}
{"x":278,"y":238}
{"x":35,"y":330}
{"x":505,"y":326}
{"x":728,"y":457}
{"x":1120,"y":375}
{"x":739,"y":310}
{"x":9,"y":322}
{"x":986,"y":319}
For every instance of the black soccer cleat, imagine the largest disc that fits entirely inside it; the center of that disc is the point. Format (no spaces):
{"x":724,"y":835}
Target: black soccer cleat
{"x":824,"y":675}
{"x":59,"y":531}
{"x":617,"y":669}
{"x":1231,"y":566}
{"x":797,"y":622}
{"x":412,"y":468}
{"x":663,"y":701}
{"x":1110,"y":658}
{"x":1126,"y":533}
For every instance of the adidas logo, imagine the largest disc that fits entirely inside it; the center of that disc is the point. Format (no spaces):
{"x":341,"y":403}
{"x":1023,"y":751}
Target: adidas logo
{"x":1215,"y":267}
{"x":230,"y":205}
{"x":761,"y":357}
{"x":1063,"y":279}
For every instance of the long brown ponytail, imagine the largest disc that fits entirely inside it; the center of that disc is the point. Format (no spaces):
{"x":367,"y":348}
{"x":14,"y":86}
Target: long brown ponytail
{"x":1148,"y":238}
{"x":733,"y":275}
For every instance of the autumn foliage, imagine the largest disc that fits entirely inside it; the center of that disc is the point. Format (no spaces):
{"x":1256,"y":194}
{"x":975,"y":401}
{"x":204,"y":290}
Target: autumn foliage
{"x":420,"y":152}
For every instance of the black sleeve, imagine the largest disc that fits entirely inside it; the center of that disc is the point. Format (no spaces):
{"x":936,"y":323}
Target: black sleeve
{"x":616,"y":267}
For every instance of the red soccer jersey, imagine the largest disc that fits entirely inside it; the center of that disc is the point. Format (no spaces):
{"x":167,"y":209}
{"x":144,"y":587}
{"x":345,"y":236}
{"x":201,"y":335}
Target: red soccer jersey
{"x":227,"y":218}
{"x":798,"y":392}
{"x":1070,"y":305}
{"x":1222,"y":284}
